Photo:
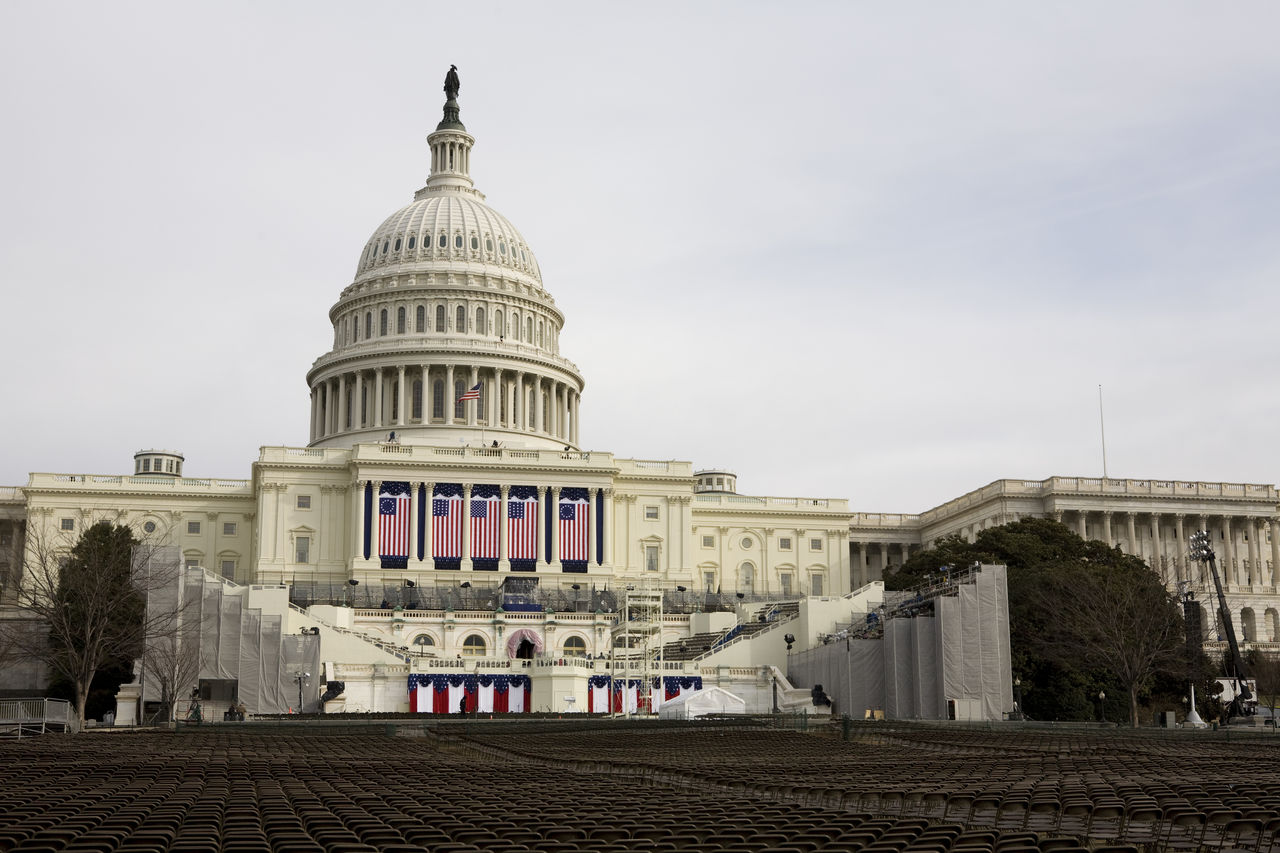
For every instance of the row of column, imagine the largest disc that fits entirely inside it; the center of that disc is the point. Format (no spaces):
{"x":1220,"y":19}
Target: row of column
{"x":865,"y":569}
{"x":513,"y":399}
{"x":1240,"y":571}
{"x":548,"y":496}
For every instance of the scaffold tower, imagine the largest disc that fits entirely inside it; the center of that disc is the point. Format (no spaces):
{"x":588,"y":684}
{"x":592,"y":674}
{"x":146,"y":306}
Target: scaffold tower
{"x":637,"y":642}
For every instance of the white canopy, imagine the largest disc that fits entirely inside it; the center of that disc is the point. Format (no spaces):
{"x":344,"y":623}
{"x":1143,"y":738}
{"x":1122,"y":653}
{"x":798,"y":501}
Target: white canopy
{"x":699,"y":703}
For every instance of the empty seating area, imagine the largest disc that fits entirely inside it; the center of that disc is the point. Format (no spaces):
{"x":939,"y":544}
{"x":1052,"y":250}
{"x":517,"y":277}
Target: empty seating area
{"x":565,"y":786}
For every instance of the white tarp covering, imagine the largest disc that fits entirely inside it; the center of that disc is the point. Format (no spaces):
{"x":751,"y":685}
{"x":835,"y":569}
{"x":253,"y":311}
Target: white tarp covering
{"x":699,"y":703}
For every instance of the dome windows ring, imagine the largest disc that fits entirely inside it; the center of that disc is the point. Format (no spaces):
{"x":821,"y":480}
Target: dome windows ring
{"x":457,"y":242}
{"x":475,"y":243}
{"x":488,"y":244}
{"x":412,"y":240}
{"x":444,"y":241}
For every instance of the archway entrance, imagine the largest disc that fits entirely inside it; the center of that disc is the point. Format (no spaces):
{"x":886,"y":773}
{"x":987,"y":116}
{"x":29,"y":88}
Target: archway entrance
{"x":525,"y":650}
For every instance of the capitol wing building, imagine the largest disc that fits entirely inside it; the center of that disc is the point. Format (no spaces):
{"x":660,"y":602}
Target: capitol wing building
{"x":444,"y":519}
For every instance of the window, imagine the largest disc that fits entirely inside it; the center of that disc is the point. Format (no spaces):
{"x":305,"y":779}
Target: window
{"x":747,"y":579}
{"x":708,"y":541}
{"x":304,"y":501}
{"x":440,"y":318}
{"x":475,"y":242}
{"x":481,"y":328}
{"x":149,"y":527}
{"x":397,"y":246}
{"x":785,"y":580}
{"x":458,"y":389}
{"x":488,"y":244}
{"x":400,"y":320}
{"x":168,"y":465}
{"x":709,"y":578}
{"x":423,"y":641}
{"x":528,"y":330}
{"x":368,"y":325}
{"x":575,"y":647}
{"x":460,"y":318}
{"x":497,"y":324}
{"x":355,"y":329}
{"x":815,"y":544}
{"x":437,"y":399}
{"x":192,"y":562}
{"x":815,"y":585}
{"x":68,"y":524}
{"x":746,"y":542}
{"x":444,"y":241}
{"x":784,"y":543}
{"x":303,"y":549}
{"x":386,"y":244}
{"x":146,"y":464}
{"x":228,"y":528}
{"x":193,"y":528}
{"x":421,"y":317}
{"x":417,"y":400}
{"x":413,"y":239}
{"x":502,"y":248}
{"x":651,"y":558}
{"x":457,"y":242}
{"x":382,"y":322}
{"x":651,"y":513}
{"x":229,"y":569}
{"x":474,"y":646}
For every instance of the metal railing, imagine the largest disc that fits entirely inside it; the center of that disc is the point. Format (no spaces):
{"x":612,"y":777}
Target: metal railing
{"x":21,"y":718}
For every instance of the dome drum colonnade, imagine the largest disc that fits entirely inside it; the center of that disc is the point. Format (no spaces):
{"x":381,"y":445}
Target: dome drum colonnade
{"x":447,"y":296}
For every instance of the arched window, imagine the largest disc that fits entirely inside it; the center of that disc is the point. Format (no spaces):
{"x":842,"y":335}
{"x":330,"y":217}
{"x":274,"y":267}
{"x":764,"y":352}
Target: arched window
{"x":575,"y":647}
{"x":444,"y":241}
{"x":400,"y":320}
{"x":437,"y":399}
{"x":475,"y":243}
{"x":497,"y":324}
{"x":541,"y":333}
{"x":347,"y":425}
{"x":440,"y":318}
{"x":382,"y":322}
{"x":460,"y":319}
{"x":368,"y":325}
{"x":397,"y":244}
{"x":474,"y":646}
{"x":457,"y":241}
{"x":417,"y":400}
{"x":423,"y":642}
{"x":458,"y":405}
{"x":346,"y":331}
{"x":481,"y":328}
{"x":386,"y":244}
{"x":395,"y":399}
{"x":413,"y":238}
{"x":355,"y":329}
{"x":1248,"y":625}
{"x":422,"y":319}
{"x":747,"y":579}
{"x":528,"y":330}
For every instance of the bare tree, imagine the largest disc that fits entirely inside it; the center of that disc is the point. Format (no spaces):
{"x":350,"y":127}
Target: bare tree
{"x":92,"y":599}
{"x":1113,"y":615}
{"x":1266,"y":672}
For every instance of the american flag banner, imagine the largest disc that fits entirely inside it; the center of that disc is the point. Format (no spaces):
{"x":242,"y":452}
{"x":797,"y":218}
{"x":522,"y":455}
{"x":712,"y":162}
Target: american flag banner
{"x":484,"y":523}
{"x":575,"y":515}
{"x":446,"y":522}
{"x":522,"y":523}
{"x":472,"y":393}
{"x":393,"y":523}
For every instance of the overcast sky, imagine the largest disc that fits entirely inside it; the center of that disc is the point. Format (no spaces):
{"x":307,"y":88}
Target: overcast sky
{"x":885,"y":252}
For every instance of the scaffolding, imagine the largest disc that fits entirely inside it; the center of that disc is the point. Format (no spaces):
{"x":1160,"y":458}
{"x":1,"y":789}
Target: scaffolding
{"x":636,"y":647}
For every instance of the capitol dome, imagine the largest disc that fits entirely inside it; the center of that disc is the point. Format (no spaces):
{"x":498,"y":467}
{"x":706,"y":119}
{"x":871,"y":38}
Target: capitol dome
{"x":446,"y":335}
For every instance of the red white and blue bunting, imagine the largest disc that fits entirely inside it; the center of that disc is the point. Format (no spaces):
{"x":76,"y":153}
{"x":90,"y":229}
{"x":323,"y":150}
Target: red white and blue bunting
{"x":608,"y":694}
{"x":452,"y":693}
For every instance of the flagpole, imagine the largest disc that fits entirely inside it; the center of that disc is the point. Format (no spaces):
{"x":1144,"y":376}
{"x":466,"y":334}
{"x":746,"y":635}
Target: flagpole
{"x":1102,"y":426}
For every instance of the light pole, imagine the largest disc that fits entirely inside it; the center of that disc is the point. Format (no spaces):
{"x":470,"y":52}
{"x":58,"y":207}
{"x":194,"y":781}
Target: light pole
{"x":300,"y":677}
{"x":1102,"y":704}
{"x":1017,"y":699}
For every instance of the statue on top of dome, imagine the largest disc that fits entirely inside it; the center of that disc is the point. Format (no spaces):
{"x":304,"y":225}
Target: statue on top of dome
{"x":451,"y":83}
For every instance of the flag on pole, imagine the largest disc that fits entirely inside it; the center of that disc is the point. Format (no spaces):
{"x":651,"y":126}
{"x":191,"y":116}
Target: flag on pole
{"x":446,"y":526}
{"x":393,"y":520}
{"x":484,"y":527}
{"x":575,"y":514}
{"x":522,"y":527}
{"x":473,"y":393}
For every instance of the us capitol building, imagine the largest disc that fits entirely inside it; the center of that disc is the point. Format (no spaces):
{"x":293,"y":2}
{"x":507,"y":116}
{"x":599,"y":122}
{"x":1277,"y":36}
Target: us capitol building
{"x":444,"y":464}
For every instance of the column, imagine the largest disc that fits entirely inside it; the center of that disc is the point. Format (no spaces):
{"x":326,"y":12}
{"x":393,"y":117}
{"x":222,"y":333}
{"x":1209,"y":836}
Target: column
{"x":357,"y":527}
{"x":1106,"y":528}
{"x":540,"y":554}
{"x":315,"y":408}
{"x":470,"y":411}
{"x":556,"y":565}
{"x":1179,"y":549}
{"x":537,"y":405}
{"x":342,"y":403}
{"x":553,"y":427}
{"x":357,"y":421}
{"x":1253,"y":528}
{"x":1228,"y":553}
{"x":591,"y":527}
{"x":400,"y":398}
{"x":504,"y":563}
{"x":517,"y":410}
{"x":1275,"y":553}
{"x":379,"y":385}
{"x":426,"y":395}
{"x":495,"y":402}
{"x":466,"y":527}
{"x":906,"y":551}
{"x":1082,"y":523}
{"x":884,"y":555}
{"x":427,"y":544}
{"x":1156,"y":562}
{"x":606,"y":532}
{"x":450,"y":395}
{"x":413,"y":522}
{"x":1131,"y":527}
